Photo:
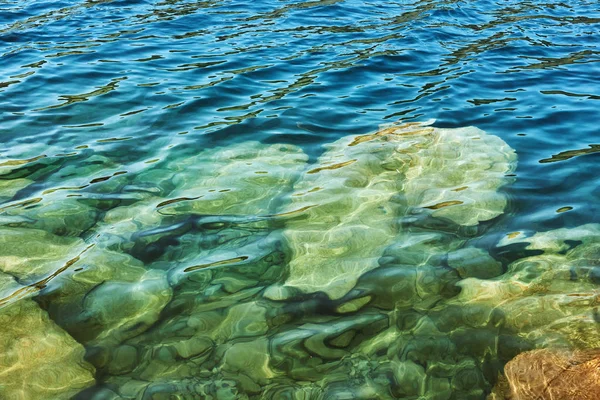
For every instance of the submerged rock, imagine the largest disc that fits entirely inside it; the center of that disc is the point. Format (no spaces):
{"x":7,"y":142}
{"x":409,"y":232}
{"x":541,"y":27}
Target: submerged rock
{"x":551,"y":374}
{"x":32,"y":255}
{"x":248,"y":178}
{"x":64,"y":203}
{"x":213,"y":237}
{"x":106,"y":297}
{"x":62,"y":217}
{"x":551,"y":297}
{"x":38,"y":360}
{"x":10,"y":187}
{"x":243,"y":183}
{"x":349,"y":203}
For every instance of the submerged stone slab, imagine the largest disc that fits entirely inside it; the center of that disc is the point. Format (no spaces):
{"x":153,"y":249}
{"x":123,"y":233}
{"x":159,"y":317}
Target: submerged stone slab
{"x":246,"y":178}
{"x":242,"y":183}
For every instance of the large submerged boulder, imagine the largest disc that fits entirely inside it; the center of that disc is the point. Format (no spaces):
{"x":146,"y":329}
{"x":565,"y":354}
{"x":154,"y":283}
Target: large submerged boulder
{"x":350,"y":203}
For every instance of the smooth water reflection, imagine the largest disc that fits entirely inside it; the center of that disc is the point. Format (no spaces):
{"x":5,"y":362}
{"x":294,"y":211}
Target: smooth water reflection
{"x":187,"y":210}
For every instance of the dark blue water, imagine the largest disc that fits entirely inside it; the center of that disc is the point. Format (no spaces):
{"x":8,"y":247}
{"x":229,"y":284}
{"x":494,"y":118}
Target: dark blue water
{"x":95,"y":93}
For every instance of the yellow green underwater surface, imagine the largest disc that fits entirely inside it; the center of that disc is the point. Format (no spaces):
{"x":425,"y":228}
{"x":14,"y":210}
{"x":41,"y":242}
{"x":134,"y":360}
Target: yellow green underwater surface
{"x":251,"y":271}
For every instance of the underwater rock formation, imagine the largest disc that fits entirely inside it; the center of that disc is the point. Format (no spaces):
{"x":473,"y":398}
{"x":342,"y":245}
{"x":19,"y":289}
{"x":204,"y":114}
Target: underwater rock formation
{"x":352,"y":199}
{"x":245,"y":180}
{"x":106,"y":297}
{"x":63,"y":217}
{"x":10,"y":187}
{"x":551,"y":374}
{"x":241,"y":272}
{"x":215,"y":236}
{"x":65,"y":201}
{"x":232,"y":330}
{"x":242,"y":179}
{"x":550,"y":297}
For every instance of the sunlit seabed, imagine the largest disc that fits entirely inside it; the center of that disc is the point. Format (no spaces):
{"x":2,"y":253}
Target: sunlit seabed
{"x":189,"y":206}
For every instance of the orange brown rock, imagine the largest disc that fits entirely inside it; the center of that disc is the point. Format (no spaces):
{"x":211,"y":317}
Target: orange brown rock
{"x":554,"y":374}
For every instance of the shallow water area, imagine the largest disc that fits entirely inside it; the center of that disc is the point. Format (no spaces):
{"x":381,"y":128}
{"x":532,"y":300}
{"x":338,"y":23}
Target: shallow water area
{"x":298,"y":200}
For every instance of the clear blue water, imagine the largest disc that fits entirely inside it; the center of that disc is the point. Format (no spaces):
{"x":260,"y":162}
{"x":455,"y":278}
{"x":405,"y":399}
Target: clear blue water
{"x":94,"y":93}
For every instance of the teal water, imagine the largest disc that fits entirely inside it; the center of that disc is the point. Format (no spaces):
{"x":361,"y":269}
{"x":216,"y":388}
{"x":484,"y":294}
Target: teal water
{"x":187,"y":209}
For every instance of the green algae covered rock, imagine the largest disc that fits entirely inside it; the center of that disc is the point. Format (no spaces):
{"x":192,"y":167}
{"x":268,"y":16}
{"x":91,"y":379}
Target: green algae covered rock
{"x":471,"y":262}
{"x":62,"y":201}
{"x":217,"y":253}
{"x":106,"y":297}
{"x":59,"y":216}
{"x":39,"y":360}
{"x":458,"y":173}
{"x":10,"y":289}
{"x":350,"y":202}
{"x":244,"y":179}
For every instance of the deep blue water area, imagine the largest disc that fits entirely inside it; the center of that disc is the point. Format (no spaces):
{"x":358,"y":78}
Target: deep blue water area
{"x":94,"y":94}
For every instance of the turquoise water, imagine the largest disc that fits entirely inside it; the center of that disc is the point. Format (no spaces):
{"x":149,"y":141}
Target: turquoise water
{"x":153,"y":153}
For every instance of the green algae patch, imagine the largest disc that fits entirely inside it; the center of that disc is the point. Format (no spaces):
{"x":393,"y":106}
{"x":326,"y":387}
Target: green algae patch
{"x":368,"y":183}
